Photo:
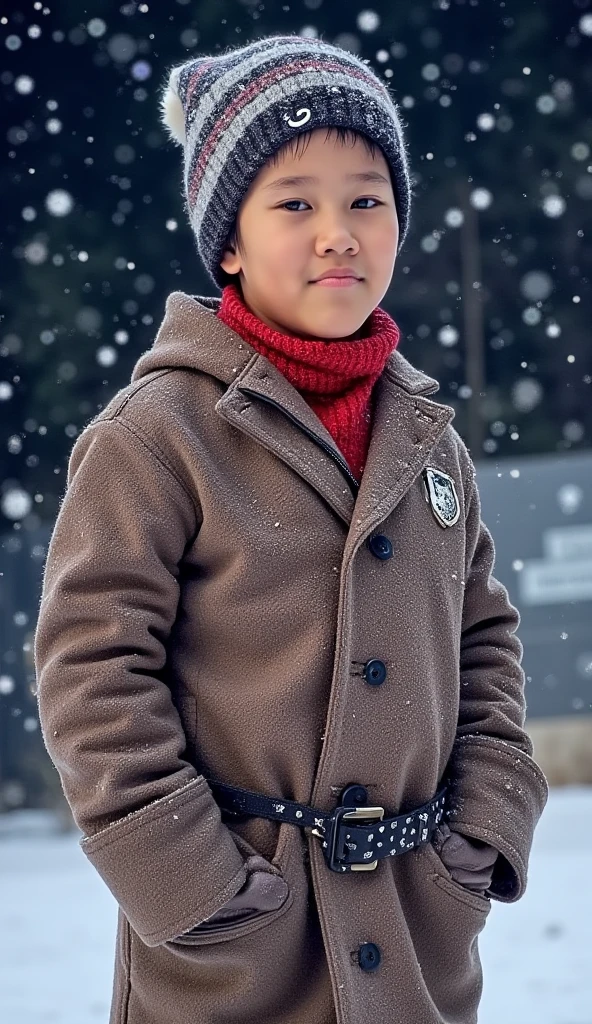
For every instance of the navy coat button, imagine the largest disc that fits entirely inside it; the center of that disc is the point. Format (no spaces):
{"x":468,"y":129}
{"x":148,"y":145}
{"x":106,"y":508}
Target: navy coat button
{"x":381,"y":547}
{"x":375,"y":672}
{"x":353,"y":794}
{"x":368,"y":956}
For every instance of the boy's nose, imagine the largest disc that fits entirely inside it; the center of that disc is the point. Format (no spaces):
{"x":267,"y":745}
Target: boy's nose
{"x":338,"y":241}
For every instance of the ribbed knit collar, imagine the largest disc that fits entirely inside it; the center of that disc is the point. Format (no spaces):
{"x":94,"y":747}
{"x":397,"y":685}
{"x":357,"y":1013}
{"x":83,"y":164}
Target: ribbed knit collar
{"x":323,"y":367}
{"x":335,"y":377}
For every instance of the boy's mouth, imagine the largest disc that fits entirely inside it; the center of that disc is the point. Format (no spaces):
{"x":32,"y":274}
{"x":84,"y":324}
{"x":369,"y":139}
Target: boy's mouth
{"x":338,"y":277}
{"x":338,"y":282}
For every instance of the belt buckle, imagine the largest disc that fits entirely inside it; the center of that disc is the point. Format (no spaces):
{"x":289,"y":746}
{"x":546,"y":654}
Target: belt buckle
{"x":340,"y":816}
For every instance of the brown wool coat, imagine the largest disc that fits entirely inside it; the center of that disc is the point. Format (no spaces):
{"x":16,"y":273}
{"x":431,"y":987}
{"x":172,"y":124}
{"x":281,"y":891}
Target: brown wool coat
{"x":209,"y":602}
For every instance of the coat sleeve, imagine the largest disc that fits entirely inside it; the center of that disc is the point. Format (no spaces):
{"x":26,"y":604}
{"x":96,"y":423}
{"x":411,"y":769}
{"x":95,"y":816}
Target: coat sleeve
{"x":498,"y":792}
{"x":109,"y":599}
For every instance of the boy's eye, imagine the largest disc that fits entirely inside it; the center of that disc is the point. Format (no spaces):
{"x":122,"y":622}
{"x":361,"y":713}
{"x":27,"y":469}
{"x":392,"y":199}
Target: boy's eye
{"x":362,"y":199}
{"x":369,"y":199}
{"x":291,"y":202}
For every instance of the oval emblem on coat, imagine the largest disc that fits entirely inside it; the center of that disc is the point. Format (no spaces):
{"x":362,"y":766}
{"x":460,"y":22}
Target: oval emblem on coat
{"x":441,"y":495}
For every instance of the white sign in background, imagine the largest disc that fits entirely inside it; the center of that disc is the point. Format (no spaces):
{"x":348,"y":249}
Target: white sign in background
{"x":565,"y":573}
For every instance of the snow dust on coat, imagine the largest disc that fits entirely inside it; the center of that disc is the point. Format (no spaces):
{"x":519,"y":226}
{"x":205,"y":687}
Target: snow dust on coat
{"x":210,"y":600}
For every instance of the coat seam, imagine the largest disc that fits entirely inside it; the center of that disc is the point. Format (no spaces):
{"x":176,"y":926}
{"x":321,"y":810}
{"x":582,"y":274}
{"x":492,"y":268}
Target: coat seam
{"x":151,"y":445}
{"x":468,"y":484}
{"x":468,"y":487}
{"x":127,"y":972}
{"x":153,"y":375}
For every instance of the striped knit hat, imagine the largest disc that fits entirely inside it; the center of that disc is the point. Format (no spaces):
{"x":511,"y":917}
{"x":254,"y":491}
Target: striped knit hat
{"x":233,"y":111}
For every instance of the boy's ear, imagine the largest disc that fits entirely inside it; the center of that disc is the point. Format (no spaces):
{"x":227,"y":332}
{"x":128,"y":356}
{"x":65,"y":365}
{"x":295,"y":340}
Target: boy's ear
{"x":230,"y":262}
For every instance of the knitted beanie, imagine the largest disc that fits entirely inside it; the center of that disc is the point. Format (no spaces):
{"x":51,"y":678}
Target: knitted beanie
{"x":233,"y":111}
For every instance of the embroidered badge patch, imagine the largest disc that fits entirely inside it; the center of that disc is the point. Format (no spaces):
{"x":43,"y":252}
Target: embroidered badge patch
{"x":441,"y":495}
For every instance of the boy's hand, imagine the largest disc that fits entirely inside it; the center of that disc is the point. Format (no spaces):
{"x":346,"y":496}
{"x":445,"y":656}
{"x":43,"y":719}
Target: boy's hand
{"x":261,"y":891}
{"x":264,"y":889}
{"x":470,"y":861}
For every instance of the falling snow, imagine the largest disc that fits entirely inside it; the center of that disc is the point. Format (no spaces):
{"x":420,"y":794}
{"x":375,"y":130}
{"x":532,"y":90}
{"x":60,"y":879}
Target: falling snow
{"x":491,"y":288}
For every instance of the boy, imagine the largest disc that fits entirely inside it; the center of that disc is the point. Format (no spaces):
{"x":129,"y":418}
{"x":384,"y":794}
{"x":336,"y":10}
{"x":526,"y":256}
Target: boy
{"x":278,"y":679}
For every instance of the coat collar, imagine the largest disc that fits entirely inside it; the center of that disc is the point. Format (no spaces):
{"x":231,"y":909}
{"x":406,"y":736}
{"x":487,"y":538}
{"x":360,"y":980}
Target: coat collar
{"x":262,"y":403}
{"x":403,"y":373}
{"x":192,"y":336}
{"x":406,"y":428}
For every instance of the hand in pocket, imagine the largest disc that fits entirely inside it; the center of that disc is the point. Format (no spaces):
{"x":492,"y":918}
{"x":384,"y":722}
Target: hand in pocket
{"x":469,"y":861}
{"x":264,"y":890}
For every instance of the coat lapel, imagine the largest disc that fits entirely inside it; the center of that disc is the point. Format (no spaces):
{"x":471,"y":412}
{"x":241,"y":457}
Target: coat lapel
{"x":406,"y":427}
{"x":262,"y":403}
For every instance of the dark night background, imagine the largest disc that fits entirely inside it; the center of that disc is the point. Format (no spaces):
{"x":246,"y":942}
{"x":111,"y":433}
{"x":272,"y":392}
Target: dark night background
{"x":491,"y":290}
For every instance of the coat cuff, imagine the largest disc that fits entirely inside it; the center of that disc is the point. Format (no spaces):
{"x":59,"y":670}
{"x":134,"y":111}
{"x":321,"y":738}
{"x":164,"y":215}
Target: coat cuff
{"x":170,"y":864}
{"x":497,"y":793}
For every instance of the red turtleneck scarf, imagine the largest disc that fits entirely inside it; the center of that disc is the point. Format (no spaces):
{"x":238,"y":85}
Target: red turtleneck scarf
{"x":335,"y":377}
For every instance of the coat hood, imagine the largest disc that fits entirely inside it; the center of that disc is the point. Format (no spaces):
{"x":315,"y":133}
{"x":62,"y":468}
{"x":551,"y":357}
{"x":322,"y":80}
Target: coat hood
{"x":192,"y":337}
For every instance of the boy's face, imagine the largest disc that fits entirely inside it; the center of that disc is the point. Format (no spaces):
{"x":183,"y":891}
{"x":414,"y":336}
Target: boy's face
{"x":333,"y":221}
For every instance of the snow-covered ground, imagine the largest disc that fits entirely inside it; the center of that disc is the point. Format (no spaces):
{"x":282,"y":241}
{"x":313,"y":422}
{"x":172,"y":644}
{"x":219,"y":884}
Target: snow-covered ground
{"x":57,"y":927}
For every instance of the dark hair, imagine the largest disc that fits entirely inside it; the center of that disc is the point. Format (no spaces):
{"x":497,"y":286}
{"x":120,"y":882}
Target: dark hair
{"x":349,"y":136}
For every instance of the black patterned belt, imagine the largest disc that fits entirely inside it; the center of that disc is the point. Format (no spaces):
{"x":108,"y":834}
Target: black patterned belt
{"x":353,"y":838}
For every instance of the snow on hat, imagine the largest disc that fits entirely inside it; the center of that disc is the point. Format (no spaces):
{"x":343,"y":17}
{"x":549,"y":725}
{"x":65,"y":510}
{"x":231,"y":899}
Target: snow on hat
{"x":231,"y":112}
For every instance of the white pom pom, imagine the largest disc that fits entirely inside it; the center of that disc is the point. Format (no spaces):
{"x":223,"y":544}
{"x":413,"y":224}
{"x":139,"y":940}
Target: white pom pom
{"x":172,"y":114}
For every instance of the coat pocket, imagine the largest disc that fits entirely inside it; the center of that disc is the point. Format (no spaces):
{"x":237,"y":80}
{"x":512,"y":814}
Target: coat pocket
{"x":442,"y":877}
{"x":221,"y":931}
{"x":445,"y":920}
